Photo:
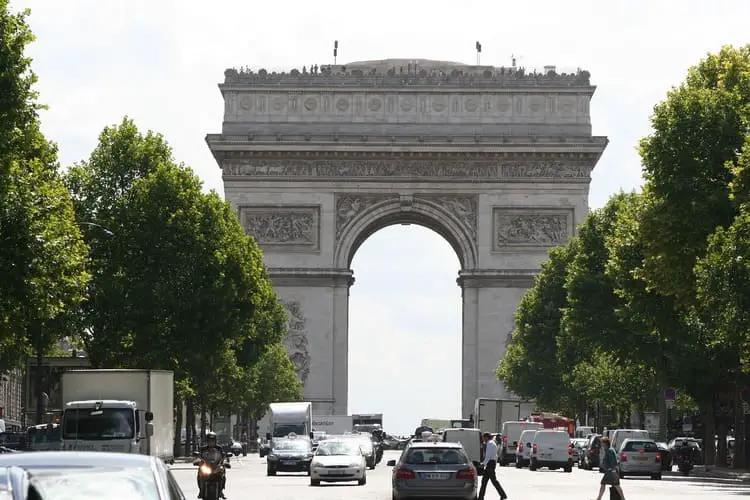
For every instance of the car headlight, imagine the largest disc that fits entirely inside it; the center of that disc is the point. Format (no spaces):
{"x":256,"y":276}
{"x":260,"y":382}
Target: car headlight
{"x":355,"y":464}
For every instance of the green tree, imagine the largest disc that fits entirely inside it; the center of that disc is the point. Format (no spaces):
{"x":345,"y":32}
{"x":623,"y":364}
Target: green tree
{"x":687,"y":160}
{"x":274,"y":379}
{"x":530,"y":367}
{"x":42,"y":254}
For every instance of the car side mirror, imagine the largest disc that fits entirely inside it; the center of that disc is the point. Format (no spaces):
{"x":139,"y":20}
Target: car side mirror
{"x":196,"y":454}
{"x":227,"y":465}
{"x":149,"y":429}
{"x":229,"y":454}
{"x":391,"y":463}
{"x":148,"y":416}
{"x":312,"y":436}
{"x":268,"y":436}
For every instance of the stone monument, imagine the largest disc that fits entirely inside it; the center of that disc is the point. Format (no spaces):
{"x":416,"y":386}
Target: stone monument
{"x":497,"y":160}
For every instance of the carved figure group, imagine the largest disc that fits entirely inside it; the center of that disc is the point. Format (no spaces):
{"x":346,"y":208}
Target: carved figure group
{"x":281,"y":227}
{"x":531,"y":229}
{"x":296,"y":341}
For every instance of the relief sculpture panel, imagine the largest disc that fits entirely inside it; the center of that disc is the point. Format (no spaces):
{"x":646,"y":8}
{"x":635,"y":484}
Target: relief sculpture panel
{"x":528,"y":227}
{"x":292,"y":227}
{"x":349,"y":206}
{"x":462,"y":207}
{"x":295,"y":341}
{"x":401,"y":168}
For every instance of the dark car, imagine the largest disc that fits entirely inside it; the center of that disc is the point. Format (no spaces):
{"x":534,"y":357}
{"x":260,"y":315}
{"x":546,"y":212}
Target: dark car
{"x":289,"y":454}
{"x":666,"y":456}
{"x":588,"y":457}
{"x":87,"y":475}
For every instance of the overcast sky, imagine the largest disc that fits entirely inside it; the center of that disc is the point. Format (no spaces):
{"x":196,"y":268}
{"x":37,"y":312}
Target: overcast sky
{"x":159,"y":61}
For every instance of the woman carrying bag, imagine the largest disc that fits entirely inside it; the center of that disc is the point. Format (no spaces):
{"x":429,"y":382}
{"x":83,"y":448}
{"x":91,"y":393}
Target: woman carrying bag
{"x":609,"y":466}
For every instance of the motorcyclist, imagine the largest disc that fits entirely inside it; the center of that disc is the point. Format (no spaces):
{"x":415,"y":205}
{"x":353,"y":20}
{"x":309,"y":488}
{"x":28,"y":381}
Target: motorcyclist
{"x":685,"y":451}
{"x":211,"y":444}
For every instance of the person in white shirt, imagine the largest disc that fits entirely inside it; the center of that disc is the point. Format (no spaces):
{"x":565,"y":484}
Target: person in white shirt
{"x":489,"y":463}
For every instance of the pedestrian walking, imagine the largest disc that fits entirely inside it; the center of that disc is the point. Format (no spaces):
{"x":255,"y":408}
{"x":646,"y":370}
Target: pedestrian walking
{"x":609,"y":466}
{"x":489,"y":463}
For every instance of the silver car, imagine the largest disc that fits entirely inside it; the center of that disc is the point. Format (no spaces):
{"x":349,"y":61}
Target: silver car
{"x":434,"y":470}
{"x":639,"y":457}
{"x":85,"y":475}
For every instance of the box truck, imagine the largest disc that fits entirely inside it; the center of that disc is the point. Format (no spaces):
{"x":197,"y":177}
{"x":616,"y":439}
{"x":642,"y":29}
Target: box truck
{"x":125,"y":411}
{"x":288,"y":418}
{"x":490,"y":413}
{"x":333,"y":424}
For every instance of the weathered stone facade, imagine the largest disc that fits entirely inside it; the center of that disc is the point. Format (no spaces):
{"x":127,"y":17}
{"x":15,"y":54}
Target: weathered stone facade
{"x":496,"y":161}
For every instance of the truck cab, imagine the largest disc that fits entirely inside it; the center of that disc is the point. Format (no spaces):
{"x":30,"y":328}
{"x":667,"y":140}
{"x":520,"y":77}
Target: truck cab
{"x":106,"y":425}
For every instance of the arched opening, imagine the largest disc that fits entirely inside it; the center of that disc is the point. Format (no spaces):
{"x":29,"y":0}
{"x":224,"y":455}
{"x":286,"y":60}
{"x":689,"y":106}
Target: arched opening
{"x":405,"y":325}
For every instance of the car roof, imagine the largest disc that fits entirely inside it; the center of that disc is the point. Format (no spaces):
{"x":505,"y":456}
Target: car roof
{"x":74,"y":459}
{"x":439,"y":444}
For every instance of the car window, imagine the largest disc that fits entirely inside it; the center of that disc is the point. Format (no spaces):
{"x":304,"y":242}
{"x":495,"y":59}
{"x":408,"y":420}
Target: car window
{"x":447,"y":456}
{"x":645,"y":446}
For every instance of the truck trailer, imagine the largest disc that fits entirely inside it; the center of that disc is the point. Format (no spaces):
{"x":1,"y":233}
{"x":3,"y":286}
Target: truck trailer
{"x":125,"y":411}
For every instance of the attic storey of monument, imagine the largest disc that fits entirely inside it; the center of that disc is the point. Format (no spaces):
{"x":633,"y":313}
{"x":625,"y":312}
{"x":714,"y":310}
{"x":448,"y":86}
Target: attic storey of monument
{"x":497,"y":162}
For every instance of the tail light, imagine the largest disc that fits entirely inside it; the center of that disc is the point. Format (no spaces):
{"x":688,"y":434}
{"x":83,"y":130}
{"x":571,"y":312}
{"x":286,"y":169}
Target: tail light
{"x":404,"y":473}
{"x":505,"y":439}
{"x":469,"y":474}
{"x":533,"y":448}
{"x":623,"y":457}
{"x":658,"y":457}
{"x":570,"y":449}
{"x":520,"y":447}
{"x":593,"y":452}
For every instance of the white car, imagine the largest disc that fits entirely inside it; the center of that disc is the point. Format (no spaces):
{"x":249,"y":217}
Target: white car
{"x":338,"y":461}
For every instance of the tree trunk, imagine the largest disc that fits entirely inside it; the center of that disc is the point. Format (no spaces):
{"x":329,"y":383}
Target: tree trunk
{"x":40,"y":402}
{"x":190,"y":424}
{"x":739,"y":430}
{"x":177,"y":448}
{"x":204,"y":423}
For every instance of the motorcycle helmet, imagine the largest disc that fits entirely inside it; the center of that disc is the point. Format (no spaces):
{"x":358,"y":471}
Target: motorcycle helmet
{"x":211,"y":438}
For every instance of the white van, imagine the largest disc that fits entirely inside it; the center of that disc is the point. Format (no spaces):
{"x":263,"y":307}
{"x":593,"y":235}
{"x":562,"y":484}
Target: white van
{"x":511,"y":433}
{"x":470,"y":439}
{"x":618,"y":436}
{"x":551,"y":449}
{"x":523,"y":454}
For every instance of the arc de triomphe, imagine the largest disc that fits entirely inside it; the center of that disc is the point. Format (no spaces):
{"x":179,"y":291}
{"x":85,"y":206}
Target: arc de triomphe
{"x":496,"y":160}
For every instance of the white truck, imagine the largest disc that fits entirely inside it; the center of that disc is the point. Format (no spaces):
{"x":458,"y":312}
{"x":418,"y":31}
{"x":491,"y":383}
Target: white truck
{"x":333,"y":424}
{"x":491,"y":413}
{"x":125,"y":411}
{"x":287,"y":418}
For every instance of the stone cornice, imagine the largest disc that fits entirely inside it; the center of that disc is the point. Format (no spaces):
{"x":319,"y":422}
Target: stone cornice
{"x":260,"y":88}
{"x":497,"y":278}
{"x":312,"y":277}
{"x":223,"y":146}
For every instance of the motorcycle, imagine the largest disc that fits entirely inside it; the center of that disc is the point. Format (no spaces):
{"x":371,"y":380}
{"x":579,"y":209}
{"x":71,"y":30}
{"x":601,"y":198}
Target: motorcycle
{"x":684,"y":463}
{"x":211,"y":467}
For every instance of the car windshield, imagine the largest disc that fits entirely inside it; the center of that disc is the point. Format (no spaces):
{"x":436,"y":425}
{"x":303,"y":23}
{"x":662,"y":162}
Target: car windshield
{"x":448,"y":456}
{"x":104,"y":423}
{"x":645,"y":446}
{"x":338,"y":448}
{"x":64,"y":484}
{"x":291,"y":445}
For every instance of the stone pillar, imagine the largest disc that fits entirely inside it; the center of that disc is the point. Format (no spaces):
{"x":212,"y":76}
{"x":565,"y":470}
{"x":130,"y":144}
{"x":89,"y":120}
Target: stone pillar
{"x":340,"y":346}
{"x":491,"y":297}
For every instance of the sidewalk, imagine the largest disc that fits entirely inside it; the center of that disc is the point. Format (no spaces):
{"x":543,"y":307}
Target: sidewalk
{"x":721,"y":472}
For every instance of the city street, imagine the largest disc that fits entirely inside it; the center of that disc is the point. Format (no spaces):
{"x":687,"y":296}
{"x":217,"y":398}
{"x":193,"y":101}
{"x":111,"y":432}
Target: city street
{"x":247,"y":479}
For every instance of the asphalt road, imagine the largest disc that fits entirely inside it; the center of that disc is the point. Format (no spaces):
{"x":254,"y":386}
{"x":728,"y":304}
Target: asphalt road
{"x":247,"y":479}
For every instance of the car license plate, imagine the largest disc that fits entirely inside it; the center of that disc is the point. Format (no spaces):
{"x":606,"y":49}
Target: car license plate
{"x":434,"y":476}
{"x":640,"y":459}
{"x":289,"y":462}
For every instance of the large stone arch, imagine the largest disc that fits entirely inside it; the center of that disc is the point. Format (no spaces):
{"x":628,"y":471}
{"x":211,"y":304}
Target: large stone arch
{"x":495,"y":160}
{"x":405,"y":210}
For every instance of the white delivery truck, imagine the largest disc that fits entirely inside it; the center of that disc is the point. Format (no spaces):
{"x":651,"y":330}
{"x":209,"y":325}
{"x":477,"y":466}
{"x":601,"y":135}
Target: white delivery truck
{"x":333,"y":424}
{"x":491,"y":413}
{"x":125,"y":411}
{"x":288,"y":418}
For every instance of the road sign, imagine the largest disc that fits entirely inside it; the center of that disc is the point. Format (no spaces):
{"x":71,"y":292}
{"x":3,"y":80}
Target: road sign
{"x":669,"y":394}
{"x":670,"y":404}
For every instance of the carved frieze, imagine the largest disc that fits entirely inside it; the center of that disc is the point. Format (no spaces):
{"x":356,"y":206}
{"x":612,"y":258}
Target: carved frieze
{"x":295,"y":341}
{"x":349,"y":206}
{"x":408,"y":168}
{"x":285,"y":226}
{"x":529,"y":227}
{"x":462,"y":207}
